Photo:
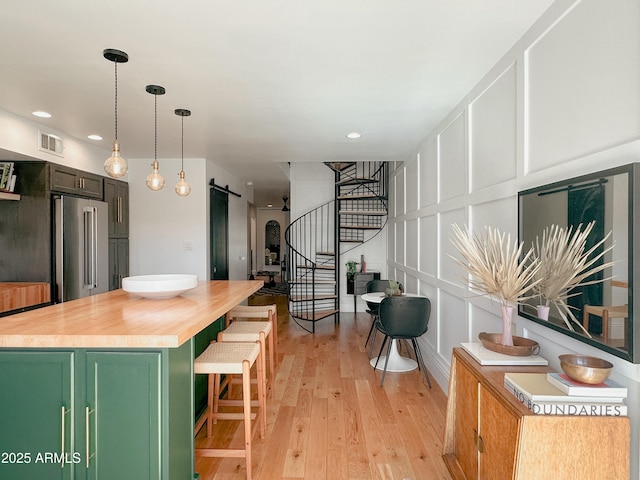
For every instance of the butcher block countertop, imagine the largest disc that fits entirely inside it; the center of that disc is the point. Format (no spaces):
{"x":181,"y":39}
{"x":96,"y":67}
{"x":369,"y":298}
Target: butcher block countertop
{"x":15,"y":295}
{"x":118,"y":319}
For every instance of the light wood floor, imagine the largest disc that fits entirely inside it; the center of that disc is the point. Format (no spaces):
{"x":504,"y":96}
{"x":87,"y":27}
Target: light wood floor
{"x":329,"y":419}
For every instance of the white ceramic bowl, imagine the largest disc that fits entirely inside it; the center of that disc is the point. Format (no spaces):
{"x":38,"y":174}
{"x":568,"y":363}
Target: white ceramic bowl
{"x":159,"y":286}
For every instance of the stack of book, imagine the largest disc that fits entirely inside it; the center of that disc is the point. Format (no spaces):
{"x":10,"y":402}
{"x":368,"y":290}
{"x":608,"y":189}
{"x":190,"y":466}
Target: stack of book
{"x":557,"y":394}
{"x":7,"y":177}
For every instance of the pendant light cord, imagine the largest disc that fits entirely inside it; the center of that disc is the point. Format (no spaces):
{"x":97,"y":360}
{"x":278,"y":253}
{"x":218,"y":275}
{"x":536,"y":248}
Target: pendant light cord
{"x":155,"y":129}
{"x":182,"y":146}
{"x":116,"y":102}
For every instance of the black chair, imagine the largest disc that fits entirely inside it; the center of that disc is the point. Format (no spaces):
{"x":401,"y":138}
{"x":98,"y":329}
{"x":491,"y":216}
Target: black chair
{"x":403,"y":318}
{"x":372,"y":308}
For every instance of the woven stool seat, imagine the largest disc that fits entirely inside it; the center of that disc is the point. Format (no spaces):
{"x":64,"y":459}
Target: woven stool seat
{"x":226,"y":357}
{"x":247,"y":331}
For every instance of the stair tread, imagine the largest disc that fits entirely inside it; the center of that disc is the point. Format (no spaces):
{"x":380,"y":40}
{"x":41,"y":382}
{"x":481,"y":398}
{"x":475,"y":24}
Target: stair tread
{"x":319,"y":282}
{"x":326,"y":253}
{"x":339,"y":166}
{"x":307,"y":298}
{"x":363,"y":212}
{"x":361,"y":227}
{"x":319,"y":315}
{"x":359,"y":196}
{"x":357,"y":181}
{"x":319,"y":267}
{"x":345,"y":240}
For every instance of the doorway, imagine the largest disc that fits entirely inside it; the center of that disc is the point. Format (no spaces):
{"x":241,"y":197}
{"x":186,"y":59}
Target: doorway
{"x":219,"y":228}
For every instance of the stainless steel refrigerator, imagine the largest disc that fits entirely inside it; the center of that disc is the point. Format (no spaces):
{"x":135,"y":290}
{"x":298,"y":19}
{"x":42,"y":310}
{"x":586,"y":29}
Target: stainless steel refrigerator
{"x":82,"y":247}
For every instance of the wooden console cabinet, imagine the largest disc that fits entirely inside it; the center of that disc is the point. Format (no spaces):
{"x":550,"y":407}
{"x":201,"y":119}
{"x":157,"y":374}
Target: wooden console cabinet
{"x":489,"y":434}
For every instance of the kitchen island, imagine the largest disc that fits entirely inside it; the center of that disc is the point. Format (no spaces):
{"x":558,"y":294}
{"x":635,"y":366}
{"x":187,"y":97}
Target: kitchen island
{"x":102,"y":387}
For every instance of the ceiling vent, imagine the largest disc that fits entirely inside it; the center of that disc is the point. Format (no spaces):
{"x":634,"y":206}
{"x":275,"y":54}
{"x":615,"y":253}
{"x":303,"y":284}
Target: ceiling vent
{"x":50,"y":144}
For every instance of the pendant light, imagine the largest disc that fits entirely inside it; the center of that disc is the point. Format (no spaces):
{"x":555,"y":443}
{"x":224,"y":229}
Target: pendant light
{"x":155,"y":181}
{"x":182,"y":187}
{"x":115,"y":165}
{"x":285,"y":208}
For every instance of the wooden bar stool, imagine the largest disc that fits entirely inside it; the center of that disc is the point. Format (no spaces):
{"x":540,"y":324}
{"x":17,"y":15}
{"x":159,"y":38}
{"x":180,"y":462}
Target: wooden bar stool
{"x":232,"y":358}
{"x":267,"y":312}
{"x":251,"y":332}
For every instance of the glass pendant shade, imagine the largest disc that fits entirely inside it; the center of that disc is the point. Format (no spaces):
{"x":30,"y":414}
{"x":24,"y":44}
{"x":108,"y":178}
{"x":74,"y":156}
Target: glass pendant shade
{"x":155,"y":181}
{"x":115,"y":165}
{"x":182,"y":187}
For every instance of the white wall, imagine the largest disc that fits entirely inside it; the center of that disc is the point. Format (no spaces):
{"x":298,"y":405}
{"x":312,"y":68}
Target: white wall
{"x":564,"y":101}
{"x":21,"y":135}
{"x":163,"y":225}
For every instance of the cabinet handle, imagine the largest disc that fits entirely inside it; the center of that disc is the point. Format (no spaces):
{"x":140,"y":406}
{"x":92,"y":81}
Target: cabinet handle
{"x":63,"y":412}
{"x":120,"y":215}
{"x":480,"y":444}
{"x":477,"y":439}
{"x":87,"y":444}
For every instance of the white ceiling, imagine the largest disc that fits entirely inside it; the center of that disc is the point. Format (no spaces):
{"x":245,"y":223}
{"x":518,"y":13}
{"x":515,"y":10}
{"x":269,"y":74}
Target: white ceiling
{"x":268,"y":82}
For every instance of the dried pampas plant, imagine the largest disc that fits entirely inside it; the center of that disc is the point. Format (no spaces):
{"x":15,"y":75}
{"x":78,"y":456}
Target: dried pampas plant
{"x":564,"y":265}
{"x":497,"y":266}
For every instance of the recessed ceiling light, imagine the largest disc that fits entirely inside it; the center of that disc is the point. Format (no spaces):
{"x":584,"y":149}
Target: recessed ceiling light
{"x":269,"y":205}
{"x":354,"y":135}
{"x":249,"y":183}
{"x":94,"y":137}
{"x":41,"y":114}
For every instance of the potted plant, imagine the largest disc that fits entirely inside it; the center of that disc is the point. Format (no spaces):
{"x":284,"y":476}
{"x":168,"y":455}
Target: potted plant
{"x":497,"y":268}
{"x":394,"y":289}
{"x":352,"y":271}
{"x":564,"y":265}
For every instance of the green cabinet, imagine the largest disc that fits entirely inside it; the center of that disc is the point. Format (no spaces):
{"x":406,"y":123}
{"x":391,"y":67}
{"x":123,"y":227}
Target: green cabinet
{"x":37,"y":399}
{"x":122,"y":402}
{"x":96,"y":414}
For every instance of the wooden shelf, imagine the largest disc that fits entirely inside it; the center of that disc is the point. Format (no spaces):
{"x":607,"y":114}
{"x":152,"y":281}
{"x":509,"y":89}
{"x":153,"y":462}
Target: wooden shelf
{"x":9,"y":196}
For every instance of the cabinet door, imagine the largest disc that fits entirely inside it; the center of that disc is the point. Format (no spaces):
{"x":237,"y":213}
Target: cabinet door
{"x":118,"y":261}
{"x":498,"y":433}
{"x":466,"y":422}
{"x":36,"y":396}
{"x":90,"y":185}
{"x":63,"y":179}
{"x":123,"y":415}
{"x":122,"y":221}
{"x":116,"y":194}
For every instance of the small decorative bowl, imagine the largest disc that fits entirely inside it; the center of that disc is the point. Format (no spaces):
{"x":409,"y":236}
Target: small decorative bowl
{"x":585,"y":369}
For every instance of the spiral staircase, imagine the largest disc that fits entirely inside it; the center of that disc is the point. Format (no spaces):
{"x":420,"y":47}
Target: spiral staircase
{"x":316,"y":240}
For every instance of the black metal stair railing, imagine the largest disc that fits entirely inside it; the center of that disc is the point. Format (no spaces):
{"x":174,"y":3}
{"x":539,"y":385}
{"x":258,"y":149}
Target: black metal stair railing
{"x":311,"y":272}
{"x":362,"y":193}
{"x":315,"y":241}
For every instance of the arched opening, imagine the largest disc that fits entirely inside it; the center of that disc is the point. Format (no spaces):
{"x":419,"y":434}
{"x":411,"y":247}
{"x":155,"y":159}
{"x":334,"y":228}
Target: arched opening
{"x":272,"y":243}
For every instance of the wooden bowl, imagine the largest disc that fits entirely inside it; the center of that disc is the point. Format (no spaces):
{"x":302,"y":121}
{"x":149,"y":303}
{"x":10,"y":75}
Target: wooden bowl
{"x":585,"y":369}
{"x":522,"y":347}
